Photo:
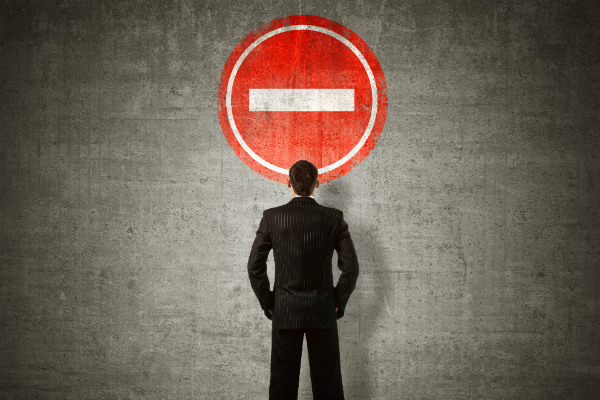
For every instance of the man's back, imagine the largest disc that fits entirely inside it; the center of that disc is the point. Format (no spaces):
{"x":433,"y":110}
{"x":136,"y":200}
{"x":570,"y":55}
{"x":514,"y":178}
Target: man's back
{"x":303,"y":235}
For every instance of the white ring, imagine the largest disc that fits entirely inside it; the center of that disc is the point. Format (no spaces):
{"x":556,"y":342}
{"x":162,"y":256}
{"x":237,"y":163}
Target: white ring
{"x":333,"y":34}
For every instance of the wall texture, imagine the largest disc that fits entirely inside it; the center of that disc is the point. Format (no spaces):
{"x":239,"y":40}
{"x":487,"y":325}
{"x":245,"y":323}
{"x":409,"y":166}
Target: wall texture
{"x":126,"y":220}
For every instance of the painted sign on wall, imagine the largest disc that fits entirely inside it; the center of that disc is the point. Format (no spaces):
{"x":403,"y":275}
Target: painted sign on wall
{"x":302,"y":87}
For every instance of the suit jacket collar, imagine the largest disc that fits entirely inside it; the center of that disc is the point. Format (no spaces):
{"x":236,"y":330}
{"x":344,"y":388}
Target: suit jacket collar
{"x":303,"y":199}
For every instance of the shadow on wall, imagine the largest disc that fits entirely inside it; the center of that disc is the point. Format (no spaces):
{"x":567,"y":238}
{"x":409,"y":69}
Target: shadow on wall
{"x":372,"y":288}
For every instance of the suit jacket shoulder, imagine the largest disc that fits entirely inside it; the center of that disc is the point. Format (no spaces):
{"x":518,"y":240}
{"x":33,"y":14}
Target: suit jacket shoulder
{"x":315,"y":204}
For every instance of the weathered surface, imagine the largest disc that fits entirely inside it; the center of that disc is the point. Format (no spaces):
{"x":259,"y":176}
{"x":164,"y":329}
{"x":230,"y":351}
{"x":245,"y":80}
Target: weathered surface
{"x":126,"y":220}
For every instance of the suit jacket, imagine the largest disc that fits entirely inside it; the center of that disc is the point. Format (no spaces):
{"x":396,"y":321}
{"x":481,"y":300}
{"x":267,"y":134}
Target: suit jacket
{"x":303,"y":235}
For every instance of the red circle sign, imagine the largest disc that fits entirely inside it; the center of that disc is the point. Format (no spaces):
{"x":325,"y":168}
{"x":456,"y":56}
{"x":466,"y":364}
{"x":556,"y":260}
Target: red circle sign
{"x":302,"y":87}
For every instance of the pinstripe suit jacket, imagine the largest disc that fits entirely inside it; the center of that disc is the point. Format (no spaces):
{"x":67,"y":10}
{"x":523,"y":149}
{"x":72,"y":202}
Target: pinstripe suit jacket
{"x":303,"y":235}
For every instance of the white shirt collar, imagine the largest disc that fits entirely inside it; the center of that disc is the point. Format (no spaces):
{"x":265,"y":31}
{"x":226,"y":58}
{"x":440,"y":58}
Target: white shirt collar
{"x":311,"y":196}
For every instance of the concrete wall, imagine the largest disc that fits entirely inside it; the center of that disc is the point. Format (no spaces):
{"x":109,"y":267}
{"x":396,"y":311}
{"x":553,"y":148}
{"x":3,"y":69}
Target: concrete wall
{"x":126,"y":219}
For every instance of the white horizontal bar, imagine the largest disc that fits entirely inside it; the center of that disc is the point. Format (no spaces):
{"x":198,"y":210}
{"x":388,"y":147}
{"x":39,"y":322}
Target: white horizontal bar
{"x":301,"y":100}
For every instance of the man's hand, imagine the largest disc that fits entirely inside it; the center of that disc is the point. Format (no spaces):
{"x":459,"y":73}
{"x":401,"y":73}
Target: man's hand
{"x":336,"y":308}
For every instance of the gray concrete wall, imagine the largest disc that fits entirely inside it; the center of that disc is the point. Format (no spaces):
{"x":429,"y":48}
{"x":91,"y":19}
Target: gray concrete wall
{"x":126,"y":219}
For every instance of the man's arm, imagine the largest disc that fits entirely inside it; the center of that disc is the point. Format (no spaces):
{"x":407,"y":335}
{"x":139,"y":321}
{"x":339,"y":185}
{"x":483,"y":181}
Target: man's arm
{"x":347,"y":263}
{"x":257,"y":267}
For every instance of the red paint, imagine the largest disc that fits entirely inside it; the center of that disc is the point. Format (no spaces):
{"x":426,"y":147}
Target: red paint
{"x":302,"y":59}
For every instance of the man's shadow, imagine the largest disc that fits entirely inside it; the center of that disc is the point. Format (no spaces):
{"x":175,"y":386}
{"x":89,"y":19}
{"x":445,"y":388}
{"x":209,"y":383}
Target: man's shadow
{"x":367,"y":306}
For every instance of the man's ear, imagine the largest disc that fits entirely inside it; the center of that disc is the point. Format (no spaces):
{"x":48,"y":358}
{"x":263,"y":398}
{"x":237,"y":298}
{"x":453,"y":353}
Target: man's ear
{"x":317,"y":184}
{"x":289,"y":183}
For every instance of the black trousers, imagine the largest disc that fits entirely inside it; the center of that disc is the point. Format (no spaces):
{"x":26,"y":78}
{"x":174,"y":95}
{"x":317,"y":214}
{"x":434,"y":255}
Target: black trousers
{"x":323,"y":358}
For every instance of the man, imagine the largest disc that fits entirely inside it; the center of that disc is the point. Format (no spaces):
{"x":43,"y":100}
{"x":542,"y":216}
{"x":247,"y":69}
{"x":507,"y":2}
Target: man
{"x":303,"y":235}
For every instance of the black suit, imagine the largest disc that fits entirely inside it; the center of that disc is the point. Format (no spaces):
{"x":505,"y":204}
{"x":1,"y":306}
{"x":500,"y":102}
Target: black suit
{"x":303,"y":235}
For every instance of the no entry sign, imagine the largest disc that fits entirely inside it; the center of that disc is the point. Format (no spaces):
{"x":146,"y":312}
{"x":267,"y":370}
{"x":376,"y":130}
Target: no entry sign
{"x":302,"y":87}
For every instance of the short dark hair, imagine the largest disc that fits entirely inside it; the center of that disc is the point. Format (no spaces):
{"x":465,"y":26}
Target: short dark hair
{"x":303,"y":177}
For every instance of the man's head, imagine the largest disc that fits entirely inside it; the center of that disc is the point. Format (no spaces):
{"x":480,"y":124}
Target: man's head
{"x":304,"y":177}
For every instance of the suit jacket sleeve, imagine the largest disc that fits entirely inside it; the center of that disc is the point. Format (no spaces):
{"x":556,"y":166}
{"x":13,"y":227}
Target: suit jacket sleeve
{"x":257,"y":266}
{"x":347,"y":263}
